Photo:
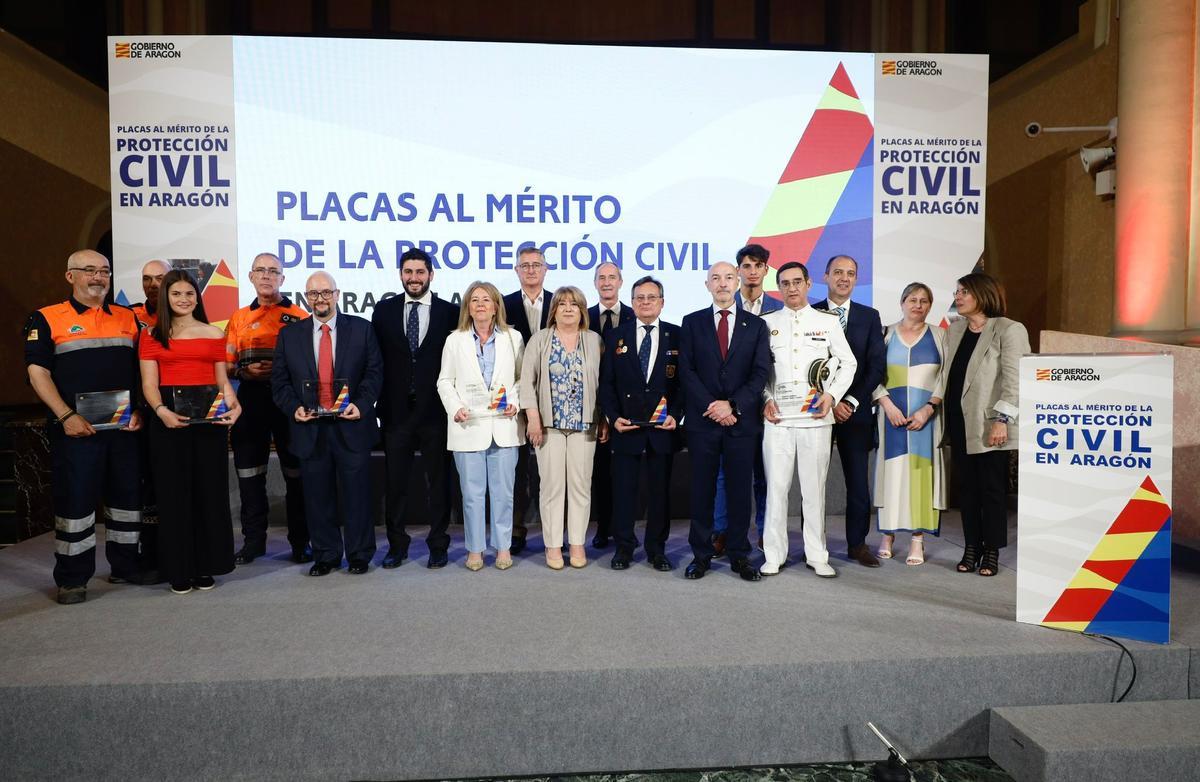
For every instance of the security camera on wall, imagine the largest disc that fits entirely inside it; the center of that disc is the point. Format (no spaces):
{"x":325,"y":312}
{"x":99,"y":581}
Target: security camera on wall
{"x":1035,"y":129}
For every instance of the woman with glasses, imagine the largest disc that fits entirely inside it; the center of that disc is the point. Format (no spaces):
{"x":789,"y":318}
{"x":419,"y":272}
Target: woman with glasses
{"x":183,"y":362}
{"x":979,"y":373}
{"x":559,"y":381}
{"x":910,"y":477}
{"x":480,"y":372}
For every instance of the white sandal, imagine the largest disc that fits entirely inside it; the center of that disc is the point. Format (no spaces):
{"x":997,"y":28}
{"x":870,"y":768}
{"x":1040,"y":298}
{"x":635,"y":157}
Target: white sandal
{"x":885,"y":547}
{"x":916,"y":552}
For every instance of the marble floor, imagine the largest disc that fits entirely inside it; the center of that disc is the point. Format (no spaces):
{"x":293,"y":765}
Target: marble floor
{"x":963,"y":770}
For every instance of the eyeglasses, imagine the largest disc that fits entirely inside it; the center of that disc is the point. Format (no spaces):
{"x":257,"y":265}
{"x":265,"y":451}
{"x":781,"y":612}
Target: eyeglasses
{"x":320,"y":295}
{"x":266,"y":271}
{"x":647,"y":298}
{"x":92,"y":271}
{"x":961,"y":292}
{"x":530,"y":267}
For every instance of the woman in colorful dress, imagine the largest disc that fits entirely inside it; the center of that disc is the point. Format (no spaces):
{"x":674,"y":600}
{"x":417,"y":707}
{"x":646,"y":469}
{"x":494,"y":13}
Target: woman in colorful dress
{"x":191,"y":475}
{"x":910,"y":473}
{"x":559,"y":382}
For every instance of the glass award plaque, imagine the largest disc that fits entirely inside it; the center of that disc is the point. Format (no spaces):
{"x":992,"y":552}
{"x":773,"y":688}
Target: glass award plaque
{"x":336,"y":399}
{"x":257,"y":350}
{"x":482,"y":402}
{"x":199,"y":404}
{"x":803,"y":400}
{"x":105,"y":409}
{"x":652,"y":414}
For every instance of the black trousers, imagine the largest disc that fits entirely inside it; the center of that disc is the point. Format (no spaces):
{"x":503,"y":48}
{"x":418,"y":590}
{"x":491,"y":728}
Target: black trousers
{"x":260,"y":422}
{"x":527,"y":489}
{"x":148,"y":539}
{"x":401,"y":443}
{"x":195,"y":530}
{"x":602,"y":489}
{"x":336,"y":476}
{"x":624,"y":493}
{"x":854,"y":443}
{"x":981,"y":482}
{"x":87,"y":472}
{"x":707,"y":449}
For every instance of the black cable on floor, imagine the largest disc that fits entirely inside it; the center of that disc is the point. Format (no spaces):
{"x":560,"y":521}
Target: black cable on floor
{"x":1126,"y":653}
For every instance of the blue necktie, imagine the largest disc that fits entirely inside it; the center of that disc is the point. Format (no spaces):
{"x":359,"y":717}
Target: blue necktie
{"x":841,"y":313}
{"x":644,"y":353}
{"x":414,"y":330}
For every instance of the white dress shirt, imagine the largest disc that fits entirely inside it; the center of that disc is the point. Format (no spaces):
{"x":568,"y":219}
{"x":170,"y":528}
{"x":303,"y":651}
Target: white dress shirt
{"x":732,"y":309}
{"x":332,"y":324}
{"x":423,"y":310}
{"x":533,"y":310}
{"x":616,"y":315}
{"x":754,"y":307}
{"x":641,"y":335}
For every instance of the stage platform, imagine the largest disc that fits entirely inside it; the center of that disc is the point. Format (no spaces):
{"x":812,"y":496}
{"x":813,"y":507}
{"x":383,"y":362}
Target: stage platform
{"x":418,"y":674}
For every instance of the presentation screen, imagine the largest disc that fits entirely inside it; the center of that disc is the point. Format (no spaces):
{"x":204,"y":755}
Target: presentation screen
{"x":341,"y":154}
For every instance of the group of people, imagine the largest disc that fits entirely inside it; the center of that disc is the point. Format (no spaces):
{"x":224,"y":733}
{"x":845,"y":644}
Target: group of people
{"x":544,"y":407}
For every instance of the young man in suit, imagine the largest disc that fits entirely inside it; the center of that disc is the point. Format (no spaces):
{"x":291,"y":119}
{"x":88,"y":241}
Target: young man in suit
{"x":854,"y":430}
{"x":526,"y":310}
{"x":723,"y":364}
{"x":411,"y":330}
{"x":639,"y":369}
{"x":603,"y":317}
{"x":334,"y":451}
{"x":752,"y":271}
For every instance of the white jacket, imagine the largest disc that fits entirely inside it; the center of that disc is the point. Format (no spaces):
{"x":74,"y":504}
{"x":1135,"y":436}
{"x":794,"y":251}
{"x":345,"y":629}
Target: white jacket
{"x":460,"y":366}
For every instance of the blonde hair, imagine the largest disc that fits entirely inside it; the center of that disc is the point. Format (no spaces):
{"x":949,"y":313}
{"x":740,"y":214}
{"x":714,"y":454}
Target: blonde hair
{"x":465,"y":322}
{"x":580,"y":301}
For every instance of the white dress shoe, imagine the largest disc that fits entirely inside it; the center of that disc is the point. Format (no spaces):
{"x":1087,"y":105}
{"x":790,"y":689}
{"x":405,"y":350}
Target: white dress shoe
{"x":768,"y":569}
{"x":822,"y":569}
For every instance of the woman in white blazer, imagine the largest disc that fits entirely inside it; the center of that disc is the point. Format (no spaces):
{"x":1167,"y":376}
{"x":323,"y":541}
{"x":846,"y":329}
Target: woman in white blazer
{"x":478,"y":385}
{"x":983,"y":353}
{"x":559,"y":381}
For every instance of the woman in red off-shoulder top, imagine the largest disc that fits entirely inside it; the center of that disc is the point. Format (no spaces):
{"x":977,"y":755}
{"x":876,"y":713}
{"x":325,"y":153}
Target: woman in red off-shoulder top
{"x":191,"y":472}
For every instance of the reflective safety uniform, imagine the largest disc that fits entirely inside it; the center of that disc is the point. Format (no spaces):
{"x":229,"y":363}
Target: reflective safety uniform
{"x":145,"y":317}
{"x":148,"y":554}
{"x":90,"y":349}
{"x":800,"y":446}
{"x":250,"y":337}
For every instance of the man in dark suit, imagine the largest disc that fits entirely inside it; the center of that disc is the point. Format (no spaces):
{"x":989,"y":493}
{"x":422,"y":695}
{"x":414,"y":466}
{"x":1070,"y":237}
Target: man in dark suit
{"x":603,"y":317}
{"x":334,"y":451}
{"x":639,"y":369}
{"x":527,"y":310}
{"x":724,"y":364}
{"x":412,"y":330}
{"x":854,"y":430}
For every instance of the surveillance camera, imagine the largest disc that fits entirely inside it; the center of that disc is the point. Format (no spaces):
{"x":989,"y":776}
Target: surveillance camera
{"x":1033,"y":129}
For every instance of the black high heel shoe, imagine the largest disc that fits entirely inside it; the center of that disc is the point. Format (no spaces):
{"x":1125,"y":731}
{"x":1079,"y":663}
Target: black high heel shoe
{"x":989,"y":565}
{"x":969,"y":561}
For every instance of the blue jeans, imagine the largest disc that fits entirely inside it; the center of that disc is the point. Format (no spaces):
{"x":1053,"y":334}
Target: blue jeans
{"x":484,"y":474}
{"x":720,"y":520}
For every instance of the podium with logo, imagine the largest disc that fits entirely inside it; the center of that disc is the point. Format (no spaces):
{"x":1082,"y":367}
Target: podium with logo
{"x":1094,"y":498}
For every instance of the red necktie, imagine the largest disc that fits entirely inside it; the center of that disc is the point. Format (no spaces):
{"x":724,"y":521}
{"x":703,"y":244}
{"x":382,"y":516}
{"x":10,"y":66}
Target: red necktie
{"x":723,"y":334}
{"x":325,"y":369}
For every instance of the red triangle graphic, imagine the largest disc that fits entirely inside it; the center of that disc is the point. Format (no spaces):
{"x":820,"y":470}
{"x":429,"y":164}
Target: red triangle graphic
{"x":1114,"y":570}
{"x":841,"y":82}
{"x":1077,"y":605}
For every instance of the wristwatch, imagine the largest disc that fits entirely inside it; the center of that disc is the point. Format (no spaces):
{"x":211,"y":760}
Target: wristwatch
{"x":1001,"y":418}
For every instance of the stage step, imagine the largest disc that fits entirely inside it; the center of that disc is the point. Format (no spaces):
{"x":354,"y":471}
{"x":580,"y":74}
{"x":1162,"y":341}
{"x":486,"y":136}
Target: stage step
{"x":1122,"y":742}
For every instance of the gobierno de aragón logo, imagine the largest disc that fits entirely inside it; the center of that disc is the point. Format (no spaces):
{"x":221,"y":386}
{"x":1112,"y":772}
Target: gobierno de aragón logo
{"x":147,"y":50}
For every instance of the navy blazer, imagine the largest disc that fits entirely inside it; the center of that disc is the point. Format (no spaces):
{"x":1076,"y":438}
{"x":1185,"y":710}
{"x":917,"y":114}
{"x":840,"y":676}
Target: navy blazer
{"x":400,"y":373}
{"x":740,"y":378}
{"x":356,"y":358}
{"x":514,"y":312}
{"x":624,"y":315}
{"x":624,"y":391}
{"x":770,"y":303}
{"x":864,"y":332}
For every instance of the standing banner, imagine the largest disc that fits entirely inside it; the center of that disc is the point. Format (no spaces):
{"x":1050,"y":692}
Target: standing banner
{"x":341,"y":154}
{"x":1094,"y":499}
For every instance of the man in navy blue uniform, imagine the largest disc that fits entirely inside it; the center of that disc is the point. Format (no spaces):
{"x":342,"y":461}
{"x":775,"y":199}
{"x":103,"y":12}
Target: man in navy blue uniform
{"x":334,"y":452}
{"x":854,"y":430}
{"x":724,"y":362}
{"x":640,"y":372}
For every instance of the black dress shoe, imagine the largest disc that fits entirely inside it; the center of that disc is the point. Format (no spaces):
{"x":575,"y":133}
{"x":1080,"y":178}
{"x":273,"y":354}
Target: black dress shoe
{"x":358,"y":567}
{"x":517,"y":546}
{"x":744,"y":569}
{"x":437,"y":559}
{"x":863,"y":556}
{"x":697,"y":569}
{"x":248,"y":554}
{"x":660,"y":563}
{"x":394,"y":559}
{"x":320,"y":569}
{"x":620,"y":561}
{"x":718,"y":544}
{"x":302,"y":555}
{"x":600,"y":541}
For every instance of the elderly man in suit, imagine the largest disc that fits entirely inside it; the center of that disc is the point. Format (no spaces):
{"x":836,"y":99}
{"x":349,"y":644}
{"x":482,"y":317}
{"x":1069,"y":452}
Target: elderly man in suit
{"x":640,"y":370}
{"x":604,"y":316}
{"x":526,"y":310}
{"x":334,"y":450}
{"x":724,"y":364}
{"x":854,"y":430}
{"x":412,"y":331}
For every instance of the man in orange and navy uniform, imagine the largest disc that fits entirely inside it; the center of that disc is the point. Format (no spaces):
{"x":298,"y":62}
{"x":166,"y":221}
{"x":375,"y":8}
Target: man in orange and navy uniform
{"x":250,"y":345}
{"x":152,"y":277}
{"x":77,"y":346}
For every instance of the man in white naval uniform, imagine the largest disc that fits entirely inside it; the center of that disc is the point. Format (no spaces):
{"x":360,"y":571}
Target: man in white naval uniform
{"x":800,"y":335}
